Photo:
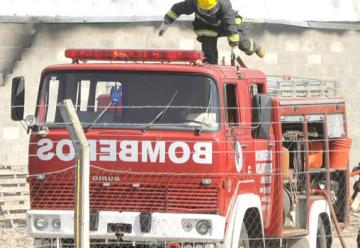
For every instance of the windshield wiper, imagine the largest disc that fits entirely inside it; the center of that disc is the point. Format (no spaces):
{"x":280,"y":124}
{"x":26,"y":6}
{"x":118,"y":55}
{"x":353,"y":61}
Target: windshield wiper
{"x":115,"y":96}
{"x":161,"y":114}
{"x":88,"y":128}
{"x":199,"y":130}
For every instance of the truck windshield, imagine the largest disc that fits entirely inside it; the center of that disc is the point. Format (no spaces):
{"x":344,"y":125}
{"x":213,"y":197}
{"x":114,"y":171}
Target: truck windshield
{"x":134,"y":100}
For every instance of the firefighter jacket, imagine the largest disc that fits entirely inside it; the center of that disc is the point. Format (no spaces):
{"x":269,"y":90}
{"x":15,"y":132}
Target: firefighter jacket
{"x":225,"y":22}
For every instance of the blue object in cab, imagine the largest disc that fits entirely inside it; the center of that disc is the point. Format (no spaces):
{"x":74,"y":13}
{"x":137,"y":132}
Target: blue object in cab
{"x":116,"y":94}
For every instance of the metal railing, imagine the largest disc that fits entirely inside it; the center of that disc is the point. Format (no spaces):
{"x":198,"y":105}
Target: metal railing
{"x":286,"y":86}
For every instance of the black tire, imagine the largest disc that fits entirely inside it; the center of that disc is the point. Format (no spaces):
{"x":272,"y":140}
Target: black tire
{"x":244,"y":237}
{"x":321,"y":240}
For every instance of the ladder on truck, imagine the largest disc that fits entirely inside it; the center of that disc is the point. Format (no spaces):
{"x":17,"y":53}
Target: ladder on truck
{"x":287,"y":86}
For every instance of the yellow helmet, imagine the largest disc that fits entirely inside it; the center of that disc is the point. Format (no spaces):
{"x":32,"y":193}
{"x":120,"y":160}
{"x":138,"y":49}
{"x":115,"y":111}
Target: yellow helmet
{"x":206,"y":4}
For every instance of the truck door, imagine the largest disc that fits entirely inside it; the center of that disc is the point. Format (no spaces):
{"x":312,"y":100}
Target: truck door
{"x":238,"y":138}
{"x":265,"y":162}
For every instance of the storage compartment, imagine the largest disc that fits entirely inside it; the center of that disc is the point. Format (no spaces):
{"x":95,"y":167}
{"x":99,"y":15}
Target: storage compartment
{"x":294,"y":158}
{"x":293,"y":164}
{"x":316,"y":138}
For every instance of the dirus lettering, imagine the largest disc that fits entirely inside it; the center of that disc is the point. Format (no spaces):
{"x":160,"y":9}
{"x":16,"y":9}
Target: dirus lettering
{"x":106,"y":179}
{"x":176,"y":152}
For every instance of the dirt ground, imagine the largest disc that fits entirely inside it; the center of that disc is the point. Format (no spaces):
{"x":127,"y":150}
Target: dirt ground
{"x":15,"y":238}
{"x":18,"y":237}
{"x":349,"y":233}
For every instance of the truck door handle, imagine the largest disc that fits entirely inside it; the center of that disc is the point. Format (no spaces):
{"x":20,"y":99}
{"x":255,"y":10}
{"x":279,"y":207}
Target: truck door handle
{"x":271,"y":144}
{"x":244,"y":145}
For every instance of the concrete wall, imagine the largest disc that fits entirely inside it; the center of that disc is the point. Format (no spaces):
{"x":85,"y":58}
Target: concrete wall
{"x":332,"y":55}
{"x":135,"y":10}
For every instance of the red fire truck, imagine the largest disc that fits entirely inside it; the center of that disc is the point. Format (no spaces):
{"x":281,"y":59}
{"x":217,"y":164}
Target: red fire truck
{"x":184,"y":154}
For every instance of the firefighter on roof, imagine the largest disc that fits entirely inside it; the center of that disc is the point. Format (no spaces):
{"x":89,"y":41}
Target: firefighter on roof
{"x":213,"y":19}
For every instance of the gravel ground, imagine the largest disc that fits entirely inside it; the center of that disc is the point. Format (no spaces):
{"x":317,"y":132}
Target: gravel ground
{"x":349,"y":233}
{"x":15,"y":238}
{"x":18,"y":237}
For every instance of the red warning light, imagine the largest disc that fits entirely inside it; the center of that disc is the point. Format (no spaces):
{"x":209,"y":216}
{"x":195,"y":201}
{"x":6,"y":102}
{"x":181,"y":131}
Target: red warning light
{"x":135,"y":55}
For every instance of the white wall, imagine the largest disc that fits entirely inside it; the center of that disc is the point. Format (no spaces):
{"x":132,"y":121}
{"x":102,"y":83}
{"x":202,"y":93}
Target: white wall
{"x":152,"y":10}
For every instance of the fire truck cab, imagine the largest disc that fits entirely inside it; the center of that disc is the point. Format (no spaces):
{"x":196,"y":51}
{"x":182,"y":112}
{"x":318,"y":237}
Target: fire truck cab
{"x":183,"y":154}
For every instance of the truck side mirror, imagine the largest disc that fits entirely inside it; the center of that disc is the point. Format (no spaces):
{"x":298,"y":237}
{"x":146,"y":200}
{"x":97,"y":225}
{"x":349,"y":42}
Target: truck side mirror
{"x":261,"y":116}
{"x":17,"y":98}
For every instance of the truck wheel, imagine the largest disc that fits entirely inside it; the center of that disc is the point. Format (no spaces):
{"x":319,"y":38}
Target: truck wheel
{"x":321,"y":241}
{"x":244,"y":237}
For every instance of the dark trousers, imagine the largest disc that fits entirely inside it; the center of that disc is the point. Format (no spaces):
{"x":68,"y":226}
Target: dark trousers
{"x":209,"y":47}
{"x":209,"y":43}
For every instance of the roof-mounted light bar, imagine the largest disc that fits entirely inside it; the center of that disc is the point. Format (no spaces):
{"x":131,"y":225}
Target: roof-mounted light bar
{"x":135,"y":55}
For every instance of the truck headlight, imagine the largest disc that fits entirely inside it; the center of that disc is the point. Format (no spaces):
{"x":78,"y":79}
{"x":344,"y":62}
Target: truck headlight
{"x":187,"y":226}
{"x":56,"y":223}
{"x":203,"y":227}
{"x":30,"y":120}
{"x":40,"y":223}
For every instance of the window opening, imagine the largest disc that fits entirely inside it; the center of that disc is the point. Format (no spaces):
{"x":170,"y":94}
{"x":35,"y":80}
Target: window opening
{"x":232,"y":115}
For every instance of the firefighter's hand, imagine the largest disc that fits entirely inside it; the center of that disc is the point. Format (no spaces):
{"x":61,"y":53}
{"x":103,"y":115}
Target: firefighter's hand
{"x":161,"y":30}
{"x":235,"y":52}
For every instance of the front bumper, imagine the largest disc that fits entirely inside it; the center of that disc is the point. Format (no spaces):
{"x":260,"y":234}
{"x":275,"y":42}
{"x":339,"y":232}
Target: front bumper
{"x":164,"y":226}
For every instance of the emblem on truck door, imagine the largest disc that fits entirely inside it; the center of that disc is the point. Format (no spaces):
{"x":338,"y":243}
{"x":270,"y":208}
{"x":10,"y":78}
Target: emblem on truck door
{"x":238,"y":157}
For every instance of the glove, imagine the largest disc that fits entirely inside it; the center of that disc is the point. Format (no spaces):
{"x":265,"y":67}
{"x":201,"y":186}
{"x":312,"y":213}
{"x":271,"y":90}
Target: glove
{"x":235,"y":52}
{"x":260,"y":52}
{"x":161,"y":30}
